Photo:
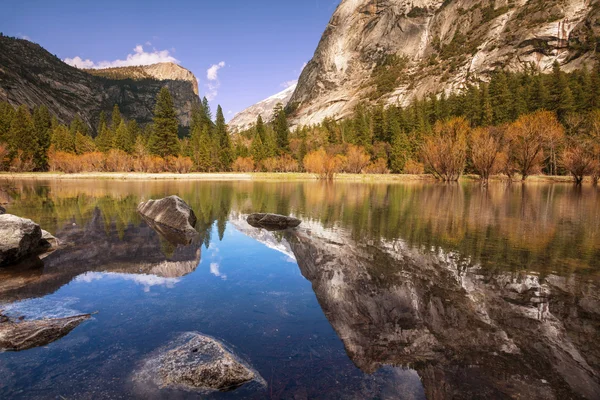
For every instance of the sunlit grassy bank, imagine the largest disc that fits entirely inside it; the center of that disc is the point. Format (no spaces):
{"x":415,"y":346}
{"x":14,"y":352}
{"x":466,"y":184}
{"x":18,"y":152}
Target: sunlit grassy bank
{"x":260,"y":176}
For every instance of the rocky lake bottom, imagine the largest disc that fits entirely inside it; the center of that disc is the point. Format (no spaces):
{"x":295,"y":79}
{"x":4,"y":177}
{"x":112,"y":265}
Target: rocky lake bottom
{"x":402,"y":290}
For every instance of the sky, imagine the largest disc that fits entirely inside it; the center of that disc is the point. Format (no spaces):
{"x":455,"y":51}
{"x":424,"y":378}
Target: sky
{"x":241,"y":51}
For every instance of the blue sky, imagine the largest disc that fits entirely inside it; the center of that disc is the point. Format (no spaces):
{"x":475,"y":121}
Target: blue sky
{"x":254,"y":46}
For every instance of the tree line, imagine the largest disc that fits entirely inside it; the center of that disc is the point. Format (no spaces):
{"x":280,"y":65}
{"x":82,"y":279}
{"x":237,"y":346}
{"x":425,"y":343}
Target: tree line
{"x":517,"y":124}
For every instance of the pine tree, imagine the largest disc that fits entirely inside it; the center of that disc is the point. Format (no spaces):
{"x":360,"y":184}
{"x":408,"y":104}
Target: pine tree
{"x":257,"y":148}
{"x":361,"y":127}
{"x":101,"y":123}
{"x":200,"y":145}
{"x":62,"y":140}
{"x":133,"y":131}
{"x":400,"y":152}
{"x":539,"y":95}
{"x":7,"y":113}
{"x":105,"y":139}
{"x":260,"y":129}
{"x":282,"y":130}
{"x":487,"y":112}
{"x":77,"y":125}
{"x":379,"y":132}
{"x":116,"y":118}
{"x":163,"y":141}
{"x":43,"y":132}
{"x":500,"y":98}
{"x":225,"y":150}
{"x":123,"y":139}
{"x":84,"y":144}
{"x":562,"y":97}
{"x":22,"y":134}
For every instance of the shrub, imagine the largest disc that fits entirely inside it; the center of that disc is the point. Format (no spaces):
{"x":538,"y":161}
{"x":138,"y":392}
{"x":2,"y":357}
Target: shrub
{"x":118,"y":161}
{"x":377,"y":167}
{"x":269,"y":164}
{"x":324,"y":164}
{"x":22,"y":163}
{"x":243,"y":164}
{"x":179,"y":164}
{"x":413,"y":167}
{"x":356,"y":159}
{"x":287,"y":163}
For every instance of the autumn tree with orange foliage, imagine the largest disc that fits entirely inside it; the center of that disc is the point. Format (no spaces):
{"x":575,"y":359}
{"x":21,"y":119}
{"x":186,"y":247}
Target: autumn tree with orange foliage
{"x":485,"y":152}
{"x":356,"y":159}
{"x":445,"y":151}
{"x":529,"y":136}
{"x":579,"y":161}
{"x":323,"y":164}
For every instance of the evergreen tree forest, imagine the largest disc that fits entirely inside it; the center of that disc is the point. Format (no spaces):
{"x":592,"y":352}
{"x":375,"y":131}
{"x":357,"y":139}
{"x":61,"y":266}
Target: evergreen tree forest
{"x":515,"y":125}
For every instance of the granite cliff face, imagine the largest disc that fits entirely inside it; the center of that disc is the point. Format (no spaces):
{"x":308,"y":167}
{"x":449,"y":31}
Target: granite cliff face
{"x":32,"y":76}
{"x":438,"y":46}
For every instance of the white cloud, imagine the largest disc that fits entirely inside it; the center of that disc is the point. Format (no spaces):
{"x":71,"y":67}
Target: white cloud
{"x":25,"y":37}
{"x":214,"y":269}
{"x":138,"y":57}
{"x":212,"y":75}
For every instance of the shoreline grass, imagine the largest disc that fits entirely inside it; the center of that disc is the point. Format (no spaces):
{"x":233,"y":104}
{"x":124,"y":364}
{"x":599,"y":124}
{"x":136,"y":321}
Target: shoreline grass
{"x":262,"y":176}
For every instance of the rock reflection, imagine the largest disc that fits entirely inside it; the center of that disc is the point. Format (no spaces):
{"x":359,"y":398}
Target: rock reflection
{"x":467,"y":331}
{"x":136,"y":249}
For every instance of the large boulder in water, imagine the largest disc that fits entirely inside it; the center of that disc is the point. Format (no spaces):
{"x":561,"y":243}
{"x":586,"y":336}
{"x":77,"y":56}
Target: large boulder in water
{"x":23,"y":335}
{"x":171,"y":212}
{"x":196,"y":362}
{"x":272,"y":222}
{"x":21,"y":238}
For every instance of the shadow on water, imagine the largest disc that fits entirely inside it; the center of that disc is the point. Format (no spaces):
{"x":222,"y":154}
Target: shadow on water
{"x":418,"y":290}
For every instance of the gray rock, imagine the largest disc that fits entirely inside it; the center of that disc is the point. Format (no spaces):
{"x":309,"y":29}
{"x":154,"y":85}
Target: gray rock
{"x":19,"y":238}
{"x":196,"y":362}
{"x":23,"y":335}
{"x":171,"y":212}
{"x":273,"y":222}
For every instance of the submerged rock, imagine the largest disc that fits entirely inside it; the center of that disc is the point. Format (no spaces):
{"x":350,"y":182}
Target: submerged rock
{"x":272,"y":222}
{"x":171,"y":212}
{"x":196,"y":362}
{"x":23,"y":335}
{"x":21,"y":238}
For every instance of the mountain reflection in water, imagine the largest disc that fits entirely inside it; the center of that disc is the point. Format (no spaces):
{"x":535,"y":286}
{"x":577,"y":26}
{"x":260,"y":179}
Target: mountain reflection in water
{"x":483,"y":292}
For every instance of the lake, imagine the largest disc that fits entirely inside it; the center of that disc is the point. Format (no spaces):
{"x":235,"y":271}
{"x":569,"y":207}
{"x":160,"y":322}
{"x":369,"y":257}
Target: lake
{"x":405,"y":290}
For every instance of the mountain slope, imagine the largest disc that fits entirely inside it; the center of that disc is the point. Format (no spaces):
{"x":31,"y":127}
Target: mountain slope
{"x":32,"y":76}
{"x":396,"y":50}
{"x":246,"y":118}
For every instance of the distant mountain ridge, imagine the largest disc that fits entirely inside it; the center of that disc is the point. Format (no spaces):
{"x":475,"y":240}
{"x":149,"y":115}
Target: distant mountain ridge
{"x":32,"y":76}
{"x":246,"y":118}
{"x":159,"y":71}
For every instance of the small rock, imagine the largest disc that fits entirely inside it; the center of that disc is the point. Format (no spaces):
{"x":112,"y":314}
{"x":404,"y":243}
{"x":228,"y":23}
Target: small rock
{"x":17,"y":336}
{"x":194,"y":361}
{"x":171,"y":212}
{"x":272,"y":222}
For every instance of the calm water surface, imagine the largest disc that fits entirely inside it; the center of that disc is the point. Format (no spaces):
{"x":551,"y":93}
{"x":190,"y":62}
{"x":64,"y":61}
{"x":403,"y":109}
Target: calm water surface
{"x":407,"y":291}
